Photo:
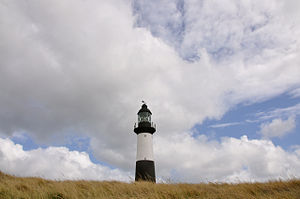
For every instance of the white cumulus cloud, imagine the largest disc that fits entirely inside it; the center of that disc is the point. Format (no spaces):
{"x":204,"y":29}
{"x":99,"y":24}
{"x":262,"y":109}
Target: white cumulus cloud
{"x":56,"y":163}
{"x":189,"y":159}
{"x":277,"y":127}
{"x":182,"y":158}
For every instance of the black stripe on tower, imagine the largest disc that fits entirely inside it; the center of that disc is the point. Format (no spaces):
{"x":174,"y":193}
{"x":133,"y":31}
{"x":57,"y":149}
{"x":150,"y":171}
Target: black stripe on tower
{"x":145,"y":170}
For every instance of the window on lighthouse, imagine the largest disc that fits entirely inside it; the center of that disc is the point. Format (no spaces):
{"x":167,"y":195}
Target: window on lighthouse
{"x":144,"y":117}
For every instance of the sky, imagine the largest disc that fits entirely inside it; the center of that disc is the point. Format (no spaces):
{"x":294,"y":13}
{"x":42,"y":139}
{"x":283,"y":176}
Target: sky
{"x":222,"y":79}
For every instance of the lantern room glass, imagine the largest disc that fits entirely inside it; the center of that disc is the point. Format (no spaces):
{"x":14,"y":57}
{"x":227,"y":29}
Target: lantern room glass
{"x":144,"y":117}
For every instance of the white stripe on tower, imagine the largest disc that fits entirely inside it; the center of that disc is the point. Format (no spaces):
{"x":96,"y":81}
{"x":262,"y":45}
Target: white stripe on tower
{"x":144,"y":147}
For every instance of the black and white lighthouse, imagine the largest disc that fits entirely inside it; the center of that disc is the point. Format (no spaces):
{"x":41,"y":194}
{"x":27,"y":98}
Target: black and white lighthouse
{"x":145,"y":169}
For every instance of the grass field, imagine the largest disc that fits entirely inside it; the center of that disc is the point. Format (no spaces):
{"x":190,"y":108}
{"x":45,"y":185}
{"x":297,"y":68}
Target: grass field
{"x":15,"y":187}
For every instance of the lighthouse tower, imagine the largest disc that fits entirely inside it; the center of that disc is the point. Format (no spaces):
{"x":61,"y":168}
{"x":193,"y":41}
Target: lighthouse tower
{"x":145,"y":169}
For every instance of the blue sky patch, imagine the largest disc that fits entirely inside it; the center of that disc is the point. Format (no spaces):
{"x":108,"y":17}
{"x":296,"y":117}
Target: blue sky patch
{"x":246,"y":119}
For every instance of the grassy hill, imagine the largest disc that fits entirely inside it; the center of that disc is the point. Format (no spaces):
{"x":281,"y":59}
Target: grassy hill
{"x":15,"y":187}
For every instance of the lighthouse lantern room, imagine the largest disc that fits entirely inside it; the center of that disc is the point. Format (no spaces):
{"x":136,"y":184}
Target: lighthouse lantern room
{"x":145,"y":168}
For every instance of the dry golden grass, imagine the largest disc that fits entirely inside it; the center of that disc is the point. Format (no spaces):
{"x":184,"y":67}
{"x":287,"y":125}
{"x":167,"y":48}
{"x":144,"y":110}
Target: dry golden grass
{"x":15,"y":187}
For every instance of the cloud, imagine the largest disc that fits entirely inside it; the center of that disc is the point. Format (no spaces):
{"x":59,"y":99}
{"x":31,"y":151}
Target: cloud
{"x":225,"y":125}
{"x":278,"y":127}
{"x":295,"y":93}
{"x":165,"y":19}
{"x":196,"y":160}
{"x":224,"y":29}
{"x":56,"y":163}
{"x":250,"y":43}
{"x":230,"y":160}
{"x":83,"y":68}
{"x":280,"y":112}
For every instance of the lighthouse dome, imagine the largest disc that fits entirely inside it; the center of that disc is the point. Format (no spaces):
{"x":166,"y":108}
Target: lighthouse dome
{"x":144,"y":109}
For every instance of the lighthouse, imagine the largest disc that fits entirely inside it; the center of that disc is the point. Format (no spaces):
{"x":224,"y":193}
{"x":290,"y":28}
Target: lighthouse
{"x":145,"y":169}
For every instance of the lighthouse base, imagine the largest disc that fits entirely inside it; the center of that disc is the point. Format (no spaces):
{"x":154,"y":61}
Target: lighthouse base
{"x":145,"y":170}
